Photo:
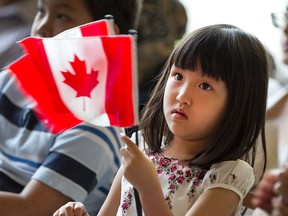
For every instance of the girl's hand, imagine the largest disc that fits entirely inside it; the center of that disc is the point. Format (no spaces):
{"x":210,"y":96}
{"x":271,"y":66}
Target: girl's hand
{"x":141,"y":173}
{"x":72,"y":209}
{"x":138,"y":170}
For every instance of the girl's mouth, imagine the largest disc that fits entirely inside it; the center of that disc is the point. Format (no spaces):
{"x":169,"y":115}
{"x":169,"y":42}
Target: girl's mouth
{"x":179,"y":114}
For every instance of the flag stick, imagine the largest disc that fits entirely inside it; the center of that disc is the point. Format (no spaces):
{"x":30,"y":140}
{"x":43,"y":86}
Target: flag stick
{"x":110,"y":18}
{"x":129,"y":132}
{"x":135,"y":128}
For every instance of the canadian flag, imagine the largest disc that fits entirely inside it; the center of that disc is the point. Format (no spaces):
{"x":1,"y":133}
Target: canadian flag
{"x":95,"y":28}
{"x":89,"y":79}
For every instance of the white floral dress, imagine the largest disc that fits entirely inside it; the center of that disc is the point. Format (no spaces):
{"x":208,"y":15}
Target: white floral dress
{"x":183,"y":184}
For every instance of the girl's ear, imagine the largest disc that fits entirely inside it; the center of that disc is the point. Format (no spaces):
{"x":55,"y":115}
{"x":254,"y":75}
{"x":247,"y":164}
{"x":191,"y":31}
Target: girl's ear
{"x":116,"y":29}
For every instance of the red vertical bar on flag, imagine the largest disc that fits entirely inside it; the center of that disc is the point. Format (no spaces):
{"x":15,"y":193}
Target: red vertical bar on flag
{"x":120,"y":79}
{"x":95,"y":28}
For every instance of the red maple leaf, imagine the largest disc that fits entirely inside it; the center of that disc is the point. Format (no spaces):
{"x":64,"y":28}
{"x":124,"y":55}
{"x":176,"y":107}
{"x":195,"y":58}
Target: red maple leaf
{"x":81,"y":82}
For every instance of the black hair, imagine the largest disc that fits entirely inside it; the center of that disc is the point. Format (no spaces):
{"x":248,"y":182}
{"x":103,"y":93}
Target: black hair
{"x":125,"y":12}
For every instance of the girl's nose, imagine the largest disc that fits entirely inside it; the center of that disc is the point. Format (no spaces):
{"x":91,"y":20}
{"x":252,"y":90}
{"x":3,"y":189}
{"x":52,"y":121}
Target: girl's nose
{"x":184,"y":97}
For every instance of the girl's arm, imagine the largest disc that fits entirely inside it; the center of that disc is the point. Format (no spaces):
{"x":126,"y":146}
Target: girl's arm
{"x":112,"y":201}
{"x":215,"y":202}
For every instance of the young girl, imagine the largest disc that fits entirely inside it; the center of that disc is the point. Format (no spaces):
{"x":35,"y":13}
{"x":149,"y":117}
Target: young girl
{"x":201,"y":126}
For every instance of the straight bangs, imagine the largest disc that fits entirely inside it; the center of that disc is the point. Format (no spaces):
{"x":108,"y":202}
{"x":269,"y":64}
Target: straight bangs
{"x":212,"y":48}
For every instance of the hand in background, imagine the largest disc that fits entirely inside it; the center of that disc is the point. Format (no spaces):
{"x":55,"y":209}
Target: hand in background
{"x":271,"y":194}
{"x":264,"y":192}
{"x":72,"y":209}
{"x":280,"y":203}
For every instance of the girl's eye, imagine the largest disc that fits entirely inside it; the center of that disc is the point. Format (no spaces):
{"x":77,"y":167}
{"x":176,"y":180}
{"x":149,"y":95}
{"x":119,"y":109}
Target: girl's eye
{"x":178,"y":77}
{"x":205,"y":86}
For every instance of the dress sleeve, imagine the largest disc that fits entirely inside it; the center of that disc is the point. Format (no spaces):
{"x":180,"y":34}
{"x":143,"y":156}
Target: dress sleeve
{"x":236,"y":176}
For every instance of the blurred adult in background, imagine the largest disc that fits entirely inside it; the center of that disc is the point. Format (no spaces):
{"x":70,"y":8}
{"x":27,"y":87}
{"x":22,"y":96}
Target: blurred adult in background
{"x":16,"y":17}
{"x":162,"y":23}
{"x":271,"y":195}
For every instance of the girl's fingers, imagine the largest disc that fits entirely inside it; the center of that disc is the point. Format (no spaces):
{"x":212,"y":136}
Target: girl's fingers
{"x":131,"y":146}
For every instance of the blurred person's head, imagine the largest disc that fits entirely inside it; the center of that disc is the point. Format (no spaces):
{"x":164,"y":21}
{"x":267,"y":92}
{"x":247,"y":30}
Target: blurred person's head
{"x":280,"y":20}
{"x":7,"y":2}
{"x":55,"y":16}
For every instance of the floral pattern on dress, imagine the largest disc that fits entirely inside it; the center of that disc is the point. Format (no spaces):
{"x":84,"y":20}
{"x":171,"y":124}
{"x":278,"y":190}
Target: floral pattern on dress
{"x":178,"y":173}
{"x":182,"y":183}
{"x":127,"y":200}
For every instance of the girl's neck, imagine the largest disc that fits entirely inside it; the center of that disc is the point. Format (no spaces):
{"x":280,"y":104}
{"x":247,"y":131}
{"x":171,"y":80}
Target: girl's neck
{"x":183,"y":150}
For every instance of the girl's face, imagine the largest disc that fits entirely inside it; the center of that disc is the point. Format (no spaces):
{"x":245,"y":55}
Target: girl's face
{"x":55,"y":16}
{"x":193,"y":105}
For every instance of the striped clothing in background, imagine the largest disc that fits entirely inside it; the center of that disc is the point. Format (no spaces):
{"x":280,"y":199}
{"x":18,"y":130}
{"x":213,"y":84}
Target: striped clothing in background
{"x":80,"y":163}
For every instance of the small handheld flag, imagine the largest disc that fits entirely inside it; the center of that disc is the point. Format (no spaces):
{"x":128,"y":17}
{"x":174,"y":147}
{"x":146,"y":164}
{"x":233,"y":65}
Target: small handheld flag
{"x":80,"y":79}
